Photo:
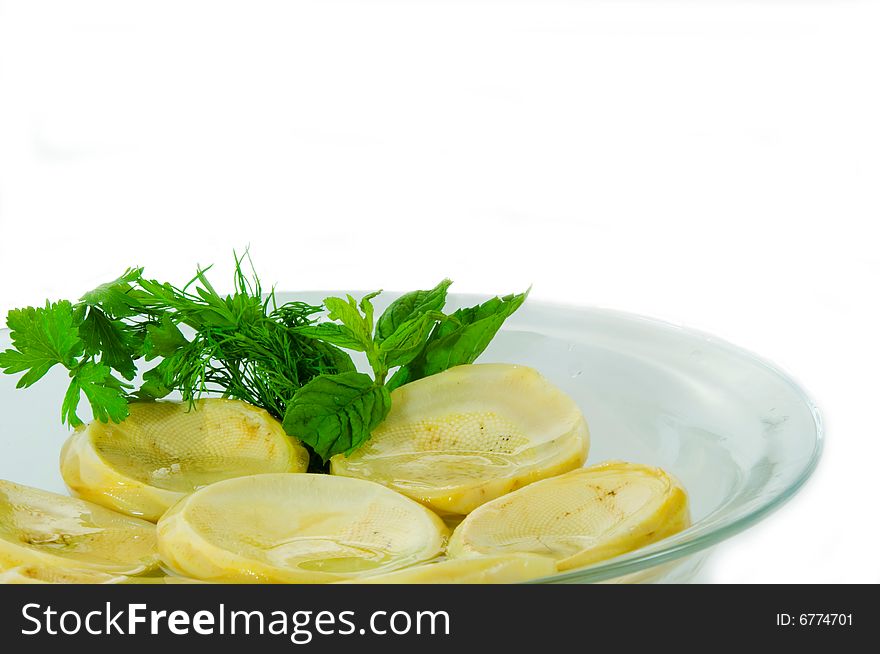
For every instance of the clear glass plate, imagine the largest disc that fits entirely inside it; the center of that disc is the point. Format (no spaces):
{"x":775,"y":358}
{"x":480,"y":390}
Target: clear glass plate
{"x":740,"y":435}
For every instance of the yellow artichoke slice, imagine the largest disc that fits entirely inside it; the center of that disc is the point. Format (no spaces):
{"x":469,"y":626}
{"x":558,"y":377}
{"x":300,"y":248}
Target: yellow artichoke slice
{"x":493,"y":569}
{"x":463,"y":437}
{"x":27,"y":574}
{"x":296,"y":528}
{"x":46,"y":530}
{"x":30,"y":574}
{"x":167,"y":580}
{"x":164,"y":451}
{"x":578,"y":518}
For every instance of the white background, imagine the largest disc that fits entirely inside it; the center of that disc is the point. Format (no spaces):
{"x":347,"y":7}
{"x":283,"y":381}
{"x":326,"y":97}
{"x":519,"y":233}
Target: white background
{"x":715,"y":164}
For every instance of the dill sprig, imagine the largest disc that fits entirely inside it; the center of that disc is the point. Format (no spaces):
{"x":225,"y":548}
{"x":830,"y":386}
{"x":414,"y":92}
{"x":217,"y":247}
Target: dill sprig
{"x":242,"y":345}
{"x":245,"y":345}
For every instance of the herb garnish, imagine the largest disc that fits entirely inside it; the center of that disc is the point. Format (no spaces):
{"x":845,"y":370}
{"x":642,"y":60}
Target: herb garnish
{"x":246,"y":346}
{"x":335,"y":413}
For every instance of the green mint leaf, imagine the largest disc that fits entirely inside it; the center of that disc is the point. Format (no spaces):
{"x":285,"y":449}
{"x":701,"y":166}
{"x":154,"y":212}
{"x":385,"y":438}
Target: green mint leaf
{"x":106,"y":394}
{"x":367,"y":308}
{"x":356,"y":331}
{"x":41,"y":337}
{"x":408,"y":340}
{"x":117,"y":343}
{"x":116,"y":297}
{"x":347,"y":313}
{"x":494,"y":309}
{"x":335,"y":414}
{"x":408,"y":306}
{"x":460,"y":339}
{"x":404,"y":375}
{"x":330,"y":332}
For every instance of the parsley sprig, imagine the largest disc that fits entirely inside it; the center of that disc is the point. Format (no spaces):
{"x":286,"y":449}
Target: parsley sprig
{"x":243,"y":345}
{"x":44,"y":337}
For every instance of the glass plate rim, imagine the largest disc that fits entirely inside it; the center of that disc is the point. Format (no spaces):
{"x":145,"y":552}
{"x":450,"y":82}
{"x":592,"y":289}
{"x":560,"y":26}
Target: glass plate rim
{"x":679,"y":546}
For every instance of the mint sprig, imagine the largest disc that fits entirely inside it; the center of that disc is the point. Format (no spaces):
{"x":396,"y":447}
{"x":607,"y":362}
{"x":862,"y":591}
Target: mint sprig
{"x":335,"y":414}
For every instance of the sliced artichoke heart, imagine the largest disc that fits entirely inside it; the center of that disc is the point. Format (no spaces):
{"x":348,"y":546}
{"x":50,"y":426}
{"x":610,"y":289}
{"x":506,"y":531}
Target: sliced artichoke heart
{"x":166,"y":450}
{"x":31,"y":574}
{"x":470,"y":434}
{"x":40,"y":529}
{"x":28,"y":574}
{"x":578,"y":518}
{"x":493,"y":569}
{"x":292,"y":528}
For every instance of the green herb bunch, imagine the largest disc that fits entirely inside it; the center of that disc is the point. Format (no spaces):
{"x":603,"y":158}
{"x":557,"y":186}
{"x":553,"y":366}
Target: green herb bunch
{"x":335,"y":413}
{"x":243,"y":345}
{"x":246,"y":346}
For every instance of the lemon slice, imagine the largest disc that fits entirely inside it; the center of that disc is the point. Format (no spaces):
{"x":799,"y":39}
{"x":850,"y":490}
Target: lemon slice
{"x":578,"y":518}
{"x":46,"y":530}
{"x":164,"y":451}
{"x":470,"y":434}
{"x":302,"y":528}
{"x":26,"y":574}
{"x":495,"y":569}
